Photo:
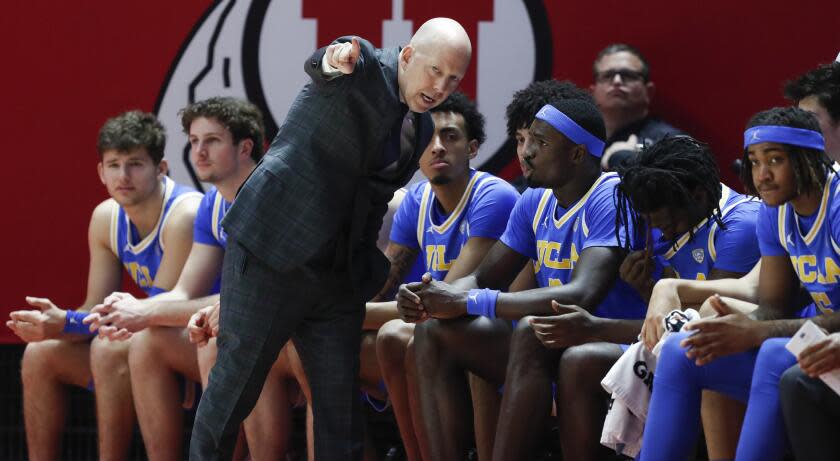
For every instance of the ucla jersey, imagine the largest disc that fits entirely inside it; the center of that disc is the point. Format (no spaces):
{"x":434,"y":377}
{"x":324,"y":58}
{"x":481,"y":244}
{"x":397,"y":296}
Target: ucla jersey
{"x":208,"y":219}
{"x":141,"y":258}
{"x":208,"y":229}
{"x":483,"y":211}
{"x":553,"y":237}
{"x":732,"y":248}
{"x":811,"y":243}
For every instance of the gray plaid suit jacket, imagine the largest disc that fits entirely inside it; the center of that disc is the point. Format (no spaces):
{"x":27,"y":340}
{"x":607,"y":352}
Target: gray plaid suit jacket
{"x":316,"y":186}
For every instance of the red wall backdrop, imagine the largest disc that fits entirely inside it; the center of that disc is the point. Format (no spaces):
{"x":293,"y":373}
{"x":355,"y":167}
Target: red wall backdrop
{"x":70,"y":65}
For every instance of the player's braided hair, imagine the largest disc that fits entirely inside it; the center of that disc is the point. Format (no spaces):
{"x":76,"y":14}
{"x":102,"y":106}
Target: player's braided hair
{"x":666,"y":175}
{"x":810,"y":166}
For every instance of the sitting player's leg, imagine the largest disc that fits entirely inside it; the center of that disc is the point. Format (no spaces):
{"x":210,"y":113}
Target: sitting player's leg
{"x":486,"y":398}
{"x":391,"y":347}
{"x":293,"y":359}
{"x":47,"y":367}
{"x":417,"y":420}
{"x":581,"y":401}
{"x":486,"y":402}
{"x":445,"y":350}
{"x":722,"y":419}
{"x":527,"y":397}
{"x":160,"y":360}
{"x":763,"y":434}
{"x":370,"y":375}
{"x":673,"y":419}
{"x":722,"y":416}
{"x":206,"y":359}
{"x":114,"y":403}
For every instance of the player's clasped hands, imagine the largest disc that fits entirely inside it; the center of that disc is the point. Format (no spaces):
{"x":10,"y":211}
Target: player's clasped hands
{"x":430,"y":298}
{"x":204,"y":325}
{"x":343,"y":56}
{"x":118,"y":317}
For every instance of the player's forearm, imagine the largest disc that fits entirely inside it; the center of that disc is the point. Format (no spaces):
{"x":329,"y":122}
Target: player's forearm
{"x":617,"y":331}
{"x":177,"y":313}
{"x":378,"y":313}
{"x":514,"y":306}
{"x":693,"y":293}
{"x":467,"y":283}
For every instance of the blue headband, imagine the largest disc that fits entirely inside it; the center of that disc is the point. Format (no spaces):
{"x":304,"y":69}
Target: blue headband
{"x":562,"y":123}
{"x":784,"y":135}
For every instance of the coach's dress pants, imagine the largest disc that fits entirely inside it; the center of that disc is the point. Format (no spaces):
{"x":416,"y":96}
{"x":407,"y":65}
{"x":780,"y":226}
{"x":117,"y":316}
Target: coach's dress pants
{"x":261,"y":309}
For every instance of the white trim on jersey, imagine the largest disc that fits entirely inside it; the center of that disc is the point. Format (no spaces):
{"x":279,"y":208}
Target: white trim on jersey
{"x":427,"y":207}
{"x":725,"y":192}
{"x":218,"y":204}
{"x":112,"y":231}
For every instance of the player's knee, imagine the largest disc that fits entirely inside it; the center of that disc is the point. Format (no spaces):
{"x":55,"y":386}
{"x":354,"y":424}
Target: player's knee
{"x":772,"y":348}
{"x":145,"y":348}
{"x":108,"y":358}
{"x":575,"y":359}
{"x":523,"y":338}
{"x":672,"y":348}
{"x":391,"y":343}
{"x":672,"y":359}
{"x":427,"y":335}
{"x":39,"y":359}
{"x":773,"y":359}
{"x":583,"y":365}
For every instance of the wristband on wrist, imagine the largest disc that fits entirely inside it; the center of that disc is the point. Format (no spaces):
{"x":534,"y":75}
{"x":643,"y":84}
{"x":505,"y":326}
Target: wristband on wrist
{"x":73,"y":323}
{"x":482,"y":302}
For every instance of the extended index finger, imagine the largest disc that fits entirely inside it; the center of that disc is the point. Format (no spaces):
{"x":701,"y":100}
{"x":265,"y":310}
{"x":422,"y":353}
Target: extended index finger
{"x":355,"y":47}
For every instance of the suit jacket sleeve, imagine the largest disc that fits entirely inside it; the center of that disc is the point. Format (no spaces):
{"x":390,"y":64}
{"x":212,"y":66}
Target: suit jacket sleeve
{"x":313,"y":67}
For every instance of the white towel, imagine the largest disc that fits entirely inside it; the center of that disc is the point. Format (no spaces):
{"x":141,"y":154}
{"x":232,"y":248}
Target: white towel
{"x":630,"y":382}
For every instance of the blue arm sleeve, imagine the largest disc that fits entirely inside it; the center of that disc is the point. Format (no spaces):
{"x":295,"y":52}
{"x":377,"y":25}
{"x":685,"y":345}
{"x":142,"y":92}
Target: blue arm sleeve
{"x":735,"y":244}
{"x":519,"y":235}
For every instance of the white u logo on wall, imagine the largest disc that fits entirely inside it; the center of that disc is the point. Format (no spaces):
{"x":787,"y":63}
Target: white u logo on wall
{"x":256,"y":49}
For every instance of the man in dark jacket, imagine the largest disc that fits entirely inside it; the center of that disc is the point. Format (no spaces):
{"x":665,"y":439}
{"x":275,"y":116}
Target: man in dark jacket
{"x":302,"y":257}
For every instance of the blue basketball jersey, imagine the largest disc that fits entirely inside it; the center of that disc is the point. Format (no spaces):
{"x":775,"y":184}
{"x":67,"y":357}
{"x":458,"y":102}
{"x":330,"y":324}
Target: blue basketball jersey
{"x":420,"y":222}
{"x":811,"y":243}
{"x":208,"y":219}
{"x":208,"y":229}
{"x":553,"y":238}
{"x":732,"y":248}
{"x":141,"y":258}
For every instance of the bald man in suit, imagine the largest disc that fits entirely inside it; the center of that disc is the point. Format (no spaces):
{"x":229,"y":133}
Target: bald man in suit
{"x":302,"y":257}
